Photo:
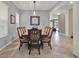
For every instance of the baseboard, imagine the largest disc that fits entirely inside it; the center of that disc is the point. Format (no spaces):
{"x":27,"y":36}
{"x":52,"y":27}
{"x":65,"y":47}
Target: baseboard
{"x":7,"y":44}
{"x":75,"y":55}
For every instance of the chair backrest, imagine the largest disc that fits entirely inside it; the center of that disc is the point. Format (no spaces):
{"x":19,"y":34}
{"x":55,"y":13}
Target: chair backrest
{"x":34,"y":34}
{"x":50,"y":33}
{"x":46,"y":30}
{"x":21,"y":31}
{"x":24,"y":29}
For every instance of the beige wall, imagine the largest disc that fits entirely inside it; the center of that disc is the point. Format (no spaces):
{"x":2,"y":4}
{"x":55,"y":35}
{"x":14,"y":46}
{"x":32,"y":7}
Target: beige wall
{"x":61,"y":19}
{"x":71,"y":21}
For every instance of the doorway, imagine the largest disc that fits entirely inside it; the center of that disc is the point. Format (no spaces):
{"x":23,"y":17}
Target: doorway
{"x":54,"y":24}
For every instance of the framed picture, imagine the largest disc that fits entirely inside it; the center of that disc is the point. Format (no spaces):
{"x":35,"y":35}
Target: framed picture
{"x":12,"y":19}
{"x":34,"y":20}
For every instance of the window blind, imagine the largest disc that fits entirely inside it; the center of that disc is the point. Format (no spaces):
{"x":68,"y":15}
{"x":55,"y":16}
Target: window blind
{"x":3,"y":20}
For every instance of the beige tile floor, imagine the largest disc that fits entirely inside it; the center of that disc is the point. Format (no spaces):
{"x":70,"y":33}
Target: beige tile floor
{"x":61,"y":48}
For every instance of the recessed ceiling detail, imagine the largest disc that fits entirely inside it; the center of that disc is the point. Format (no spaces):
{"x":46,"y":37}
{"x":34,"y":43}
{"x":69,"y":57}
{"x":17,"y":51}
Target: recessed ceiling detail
{"x":40,"y":5}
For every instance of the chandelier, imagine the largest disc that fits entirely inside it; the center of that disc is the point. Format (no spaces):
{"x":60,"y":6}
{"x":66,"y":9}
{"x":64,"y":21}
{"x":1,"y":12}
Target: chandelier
{"x":34,"y":11}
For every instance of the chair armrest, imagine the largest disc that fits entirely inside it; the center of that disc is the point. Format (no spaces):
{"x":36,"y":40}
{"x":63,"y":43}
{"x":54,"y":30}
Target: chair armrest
{"x":44,"y":35}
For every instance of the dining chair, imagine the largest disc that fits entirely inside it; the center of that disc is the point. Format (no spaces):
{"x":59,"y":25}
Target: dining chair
{"x":34,"y":39}
{"x":47,"y":38}
{"x":23,"y":39}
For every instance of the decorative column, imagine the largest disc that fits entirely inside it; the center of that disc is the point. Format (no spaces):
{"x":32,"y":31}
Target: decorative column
{"x":67,"y":22}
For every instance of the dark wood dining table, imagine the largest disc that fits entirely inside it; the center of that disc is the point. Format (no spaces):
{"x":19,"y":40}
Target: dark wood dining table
{"x":42,"y":34}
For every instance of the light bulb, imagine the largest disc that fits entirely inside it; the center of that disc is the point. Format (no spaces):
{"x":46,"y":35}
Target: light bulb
{"x":71,"y":2}
{"x":34,"y":13}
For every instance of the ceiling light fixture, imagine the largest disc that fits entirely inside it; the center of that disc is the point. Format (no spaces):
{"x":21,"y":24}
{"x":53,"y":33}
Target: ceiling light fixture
{"x":34,"y":11}
{"x":71,"y":2}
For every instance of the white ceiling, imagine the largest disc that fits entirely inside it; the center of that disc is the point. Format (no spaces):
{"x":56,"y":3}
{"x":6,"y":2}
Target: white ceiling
{"x":62,"y":7}
{"x":40,"y":5}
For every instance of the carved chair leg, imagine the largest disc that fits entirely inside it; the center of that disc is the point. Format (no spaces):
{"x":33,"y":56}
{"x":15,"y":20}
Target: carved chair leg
{"x":39,"y":49}
{"x":49,"y":44}
{"x":29,"y":49}
{"x":28,"y":45}
{"x":20,"y":45}
{"x":42,"y":45}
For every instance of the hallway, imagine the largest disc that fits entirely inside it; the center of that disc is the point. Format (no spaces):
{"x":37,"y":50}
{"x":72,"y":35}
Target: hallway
{"x":61,"y":48}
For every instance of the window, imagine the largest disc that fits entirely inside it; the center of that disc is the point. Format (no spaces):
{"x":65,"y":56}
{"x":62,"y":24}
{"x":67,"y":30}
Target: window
{"x":3,"y":20}
{"x":51,"y":23}
{"x":17,"y":20}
